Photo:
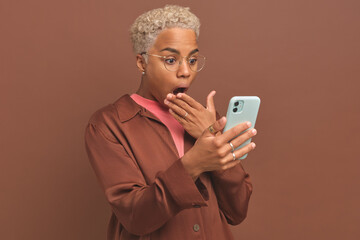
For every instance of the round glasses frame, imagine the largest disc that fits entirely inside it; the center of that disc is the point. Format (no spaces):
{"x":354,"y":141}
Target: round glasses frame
{"x":171,"y":66}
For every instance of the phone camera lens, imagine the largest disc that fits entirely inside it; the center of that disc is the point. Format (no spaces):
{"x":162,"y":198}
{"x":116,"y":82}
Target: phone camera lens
{"x":236,"y":104}
{"x":234,"y":109}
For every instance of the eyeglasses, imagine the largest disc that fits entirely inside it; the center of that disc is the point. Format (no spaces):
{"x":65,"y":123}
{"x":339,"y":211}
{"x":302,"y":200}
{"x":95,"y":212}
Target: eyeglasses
{"x":172,"y":62}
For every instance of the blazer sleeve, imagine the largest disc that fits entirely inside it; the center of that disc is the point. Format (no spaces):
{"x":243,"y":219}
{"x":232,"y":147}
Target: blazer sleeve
{"x":233,"y":190}
{"x":140,"y":208}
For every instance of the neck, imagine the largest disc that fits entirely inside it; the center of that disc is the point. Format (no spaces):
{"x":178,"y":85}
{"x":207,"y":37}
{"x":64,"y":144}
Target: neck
{"x":142,"y":91}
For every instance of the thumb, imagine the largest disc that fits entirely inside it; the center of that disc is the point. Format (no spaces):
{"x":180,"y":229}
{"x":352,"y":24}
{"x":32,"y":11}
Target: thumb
{"x":216,"y":127}
{"x":210,"y":101}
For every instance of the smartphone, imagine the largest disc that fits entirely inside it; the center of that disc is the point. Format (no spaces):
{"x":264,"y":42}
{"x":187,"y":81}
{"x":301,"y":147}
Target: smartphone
{"x":242,"y":109}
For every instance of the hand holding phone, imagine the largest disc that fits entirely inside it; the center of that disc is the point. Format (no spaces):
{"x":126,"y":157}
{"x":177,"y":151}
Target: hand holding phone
{"x":242,"y":109}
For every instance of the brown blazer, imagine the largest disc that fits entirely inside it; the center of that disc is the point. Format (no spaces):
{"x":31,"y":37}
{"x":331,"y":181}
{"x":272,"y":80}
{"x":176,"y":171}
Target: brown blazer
{"x":151,"y":194}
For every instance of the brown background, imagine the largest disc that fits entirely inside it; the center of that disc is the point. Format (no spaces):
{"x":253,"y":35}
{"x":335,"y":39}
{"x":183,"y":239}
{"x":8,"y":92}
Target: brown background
{"x":62,"y":60}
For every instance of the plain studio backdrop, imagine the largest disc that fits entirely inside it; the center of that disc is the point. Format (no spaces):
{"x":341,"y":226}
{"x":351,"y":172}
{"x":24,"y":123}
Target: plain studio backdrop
{"x":60,"y":61}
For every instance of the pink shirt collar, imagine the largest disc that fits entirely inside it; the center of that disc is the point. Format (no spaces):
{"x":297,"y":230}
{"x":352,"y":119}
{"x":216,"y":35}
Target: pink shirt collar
{"x":162,"y":113}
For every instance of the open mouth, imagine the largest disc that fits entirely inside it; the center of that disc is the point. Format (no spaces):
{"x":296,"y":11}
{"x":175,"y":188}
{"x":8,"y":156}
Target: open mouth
{"x":179,"y":90}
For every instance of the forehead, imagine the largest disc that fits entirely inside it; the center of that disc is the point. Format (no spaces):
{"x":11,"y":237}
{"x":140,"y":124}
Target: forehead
{"x":183,"y":40}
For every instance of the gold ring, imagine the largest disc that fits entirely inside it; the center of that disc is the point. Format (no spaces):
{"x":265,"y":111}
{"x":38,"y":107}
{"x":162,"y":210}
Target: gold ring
{"x":232,"y":147}
{"x":211,"y":129}
{"x":186,"y":114}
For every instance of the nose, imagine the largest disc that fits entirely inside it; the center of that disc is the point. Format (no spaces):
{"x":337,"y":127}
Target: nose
{"x":184,"y":69}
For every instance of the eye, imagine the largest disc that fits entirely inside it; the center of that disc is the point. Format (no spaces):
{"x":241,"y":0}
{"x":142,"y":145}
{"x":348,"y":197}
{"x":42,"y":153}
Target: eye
{"x":192,"y":60}
{"x":170,"y":60}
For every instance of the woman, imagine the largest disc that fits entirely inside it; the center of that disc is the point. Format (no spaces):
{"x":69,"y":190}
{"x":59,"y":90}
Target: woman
{"x":165,"y":167}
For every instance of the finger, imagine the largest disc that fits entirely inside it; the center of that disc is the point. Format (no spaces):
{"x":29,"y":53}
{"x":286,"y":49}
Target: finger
{"x":243,"y":137}
{"x":175,"y":108}
{"x":172,"y":98}
{"x":233,"y":132}
{"x":244,"y":150}
{"x":190,"y":101}
{"x":210,"y":101}
{"x":230,"y":164}
{"x":217,"y":126}
{"x":180,"y":119}
{"x":238,"y":153}
{"x":182,"y":104}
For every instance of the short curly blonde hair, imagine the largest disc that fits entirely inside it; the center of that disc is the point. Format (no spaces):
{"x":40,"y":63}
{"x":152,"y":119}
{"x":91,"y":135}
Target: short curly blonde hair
{"x":147,"y":26}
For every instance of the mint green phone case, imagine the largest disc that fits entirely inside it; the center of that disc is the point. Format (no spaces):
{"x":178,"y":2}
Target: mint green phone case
{"x":242,"y":109}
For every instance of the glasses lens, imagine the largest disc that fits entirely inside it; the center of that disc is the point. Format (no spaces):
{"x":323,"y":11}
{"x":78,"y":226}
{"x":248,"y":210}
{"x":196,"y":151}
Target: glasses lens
{"x":171,"y":63}
{"x":196,"y":62}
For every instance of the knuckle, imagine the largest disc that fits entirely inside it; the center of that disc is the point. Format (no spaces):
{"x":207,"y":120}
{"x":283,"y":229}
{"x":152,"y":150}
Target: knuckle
{"x":216,"y":125}
{"x":217,"y":143}
{"x":182,"y":104}
{"x":177,"y":102}
{"x":238,"y":141}
{"x":224,"y":167}
{"x":223,"y":161}
{"x":234,"y":131}
{"x":221,"y":153}
{"x":243,"y":126}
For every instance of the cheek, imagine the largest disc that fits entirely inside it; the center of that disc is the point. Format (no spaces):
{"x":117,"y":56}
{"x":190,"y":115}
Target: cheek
{"x":161,"y":77}
{"x":155,"y":71}
{"x":160,"y":80}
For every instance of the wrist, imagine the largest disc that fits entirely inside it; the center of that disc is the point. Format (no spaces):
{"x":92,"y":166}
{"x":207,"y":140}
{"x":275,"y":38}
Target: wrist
{"x":196,"y":133}
{"x":190,"y":167}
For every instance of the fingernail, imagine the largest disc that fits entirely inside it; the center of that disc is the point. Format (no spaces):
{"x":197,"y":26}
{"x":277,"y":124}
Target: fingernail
{"x":169,"y":95}
{"x":253,"y":145}
{"x":254,"y":131}
{"x":179,"y":95}
{"x":248,"y":124}
{"x":166,"y":101}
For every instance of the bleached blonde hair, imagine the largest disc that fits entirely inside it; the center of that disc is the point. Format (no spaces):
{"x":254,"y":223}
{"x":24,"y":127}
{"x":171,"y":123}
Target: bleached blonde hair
{"x":147,"y":26}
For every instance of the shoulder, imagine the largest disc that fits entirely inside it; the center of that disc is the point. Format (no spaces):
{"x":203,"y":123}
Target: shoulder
{"x":104,"y":115}
{"x":118,"y":112}
{"x":110,"y":120}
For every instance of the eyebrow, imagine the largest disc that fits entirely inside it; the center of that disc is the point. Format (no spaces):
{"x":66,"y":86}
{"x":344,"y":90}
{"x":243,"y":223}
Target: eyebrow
{"x":177,"y":52}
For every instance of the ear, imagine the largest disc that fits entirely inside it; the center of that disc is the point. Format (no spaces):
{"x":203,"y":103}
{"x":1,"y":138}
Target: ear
{"x":140,"y":62}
